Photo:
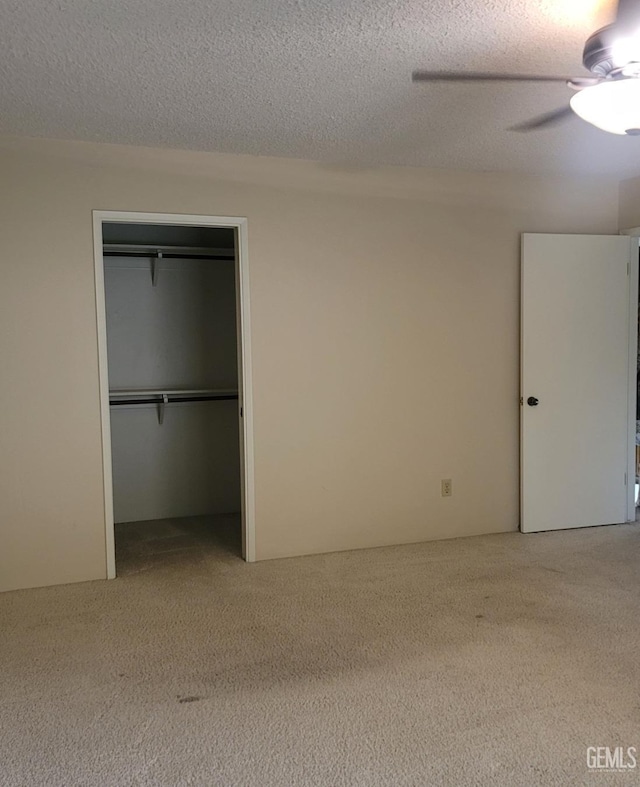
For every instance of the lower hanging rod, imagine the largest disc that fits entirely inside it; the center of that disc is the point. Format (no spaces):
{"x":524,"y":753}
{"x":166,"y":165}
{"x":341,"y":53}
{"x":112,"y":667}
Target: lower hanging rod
{"x":175,"y":399}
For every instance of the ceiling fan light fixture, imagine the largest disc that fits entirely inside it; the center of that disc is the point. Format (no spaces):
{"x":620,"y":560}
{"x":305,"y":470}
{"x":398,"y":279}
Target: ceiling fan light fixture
{"x":612,"y":106}
{"x":625,"y":50}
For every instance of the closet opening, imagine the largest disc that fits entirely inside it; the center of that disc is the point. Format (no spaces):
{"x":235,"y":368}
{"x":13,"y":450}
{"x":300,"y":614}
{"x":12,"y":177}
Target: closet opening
{"x":175,"y":390}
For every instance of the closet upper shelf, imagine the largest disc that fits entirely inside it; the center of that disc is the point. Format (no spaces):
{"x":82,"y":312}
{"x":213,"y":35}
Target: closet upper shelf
{"x":167,"y":252}
{"x":158,"y":253}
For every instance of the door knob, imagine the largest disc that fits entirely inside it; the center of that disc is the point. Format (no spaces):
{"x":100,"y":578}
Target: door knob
{"x":532,"y":401}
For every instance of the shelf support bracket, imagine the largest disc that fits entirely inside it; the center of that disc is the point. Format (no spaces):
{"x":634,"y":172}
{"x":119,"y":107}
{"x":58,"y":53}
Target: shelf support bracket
{"x":154,"y":268}
{"x":165,"y":400}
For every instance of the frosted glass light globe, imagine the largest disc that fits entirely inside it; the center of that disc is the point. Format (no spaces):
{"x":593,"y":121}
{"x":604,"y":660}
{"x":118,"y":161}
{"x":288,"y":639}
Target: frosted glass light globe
{"x":612,"y":106}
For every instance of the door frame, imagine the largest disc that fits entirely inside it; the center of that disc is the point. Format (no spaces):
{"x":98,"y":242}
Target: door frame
{"x":634,"y":266}
{"x":245,"y":376}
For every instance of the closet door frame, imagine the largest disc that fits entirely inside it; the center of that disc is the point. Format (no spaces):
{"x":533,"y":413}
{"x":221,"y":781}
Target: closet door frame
{"x":245,"y":386}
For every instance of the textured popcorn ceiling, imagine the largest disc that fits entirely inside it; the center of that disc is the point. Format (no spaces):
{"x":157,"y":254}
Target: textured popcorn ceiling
{"x":319,"y":79}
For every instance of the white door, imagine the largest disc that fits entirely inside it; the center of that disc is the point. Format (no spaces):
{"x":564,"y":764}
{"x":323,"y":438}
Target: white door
{"x":576,"y":387}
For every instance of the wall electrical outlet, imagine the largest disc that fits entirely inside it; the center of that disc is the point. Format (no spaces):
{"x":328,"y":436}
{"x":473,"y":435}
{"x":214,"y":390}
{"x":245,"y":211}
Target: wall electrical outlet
{"x":447,"y":487}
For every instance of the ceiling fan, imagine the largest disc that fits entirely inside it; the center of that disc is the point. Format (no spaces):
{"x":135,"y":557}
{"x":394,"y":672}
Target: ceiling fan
{"x":610,"y":99}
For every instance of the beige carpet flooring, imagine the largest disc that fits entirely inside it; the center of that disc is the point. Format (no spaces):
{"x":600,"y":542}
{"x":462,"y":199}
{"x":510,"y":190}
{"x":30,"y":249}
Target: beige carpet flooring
{"x":494,"y":660}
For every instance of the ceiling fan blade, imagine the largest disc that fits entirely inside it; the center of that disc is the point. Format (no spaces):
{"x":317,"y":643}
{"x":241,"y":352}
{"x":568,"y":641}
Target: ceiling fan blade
{"x":481,"y":76}
{"x":579,"y":83}
{"x":545,"y":121}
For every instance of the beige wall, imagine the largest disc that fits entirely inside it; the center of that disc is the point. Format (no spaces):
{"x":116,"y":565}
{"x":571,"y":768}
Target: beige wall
{"x":629,"y":204}
{"x":385,"y":341}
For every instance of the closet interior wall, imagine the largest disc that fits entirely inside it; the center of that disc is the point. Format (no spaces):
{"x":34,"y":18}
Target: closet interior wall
{"x":172,"y":330}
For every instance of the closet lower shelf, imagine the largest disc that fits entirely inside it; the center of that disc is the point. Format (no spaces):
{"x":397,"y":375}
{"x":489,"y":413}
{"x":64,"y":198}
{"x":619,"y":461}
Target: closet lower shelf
{"x":162,"y":397}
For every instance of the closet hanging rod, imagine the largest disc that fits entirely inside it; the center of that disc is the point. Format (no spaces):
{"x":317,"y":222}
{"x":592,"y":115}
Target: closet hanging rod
{"x":170,"y":391}
{"x":168,"y":252}
{"x":155,"y":395}
{"x":174,"y":399}
{"x":160,"y":398}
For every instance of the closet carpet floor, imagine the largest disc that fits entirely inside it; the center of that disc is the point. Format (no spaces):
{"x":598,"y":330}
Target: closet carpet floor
{"x":494,"y":660}
{"x":161,"y":543}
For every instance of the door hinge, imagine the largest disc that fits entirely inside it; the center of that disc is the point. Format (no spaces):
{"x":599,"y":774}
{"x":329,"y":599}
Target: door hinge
{"x":628,"y":268}
{"x":625,"y":479}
